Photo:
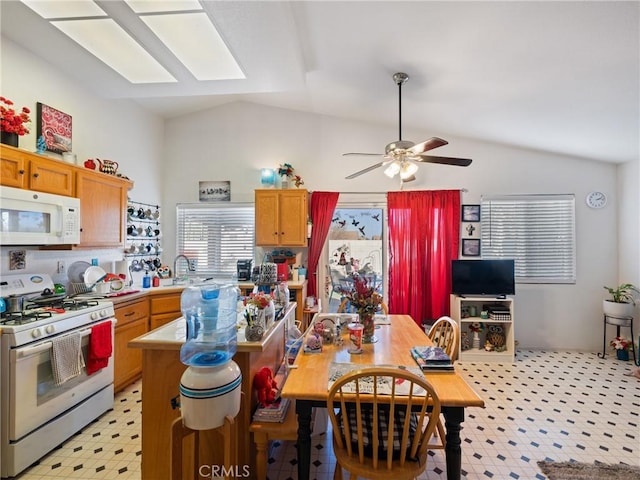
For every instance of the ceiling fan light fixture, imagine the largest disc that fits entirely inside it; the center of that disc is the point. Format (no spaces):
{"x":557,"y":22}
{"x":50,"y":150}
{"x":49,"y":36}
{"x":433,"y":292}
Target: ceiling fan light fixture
{"x":408,"y":170}
{"x":392,"y":170}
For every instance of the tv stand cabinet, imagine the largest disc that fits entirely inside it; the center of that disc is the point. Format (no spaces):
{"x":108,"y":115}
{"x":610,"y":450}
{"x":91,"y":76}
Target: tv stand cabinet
{"x":462,"y":308}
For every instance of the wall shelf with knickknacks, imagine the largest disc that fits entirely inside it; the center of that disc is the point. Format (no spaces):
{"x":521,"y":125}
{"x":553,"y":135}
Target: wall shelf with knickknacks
{"x":143,"y":232}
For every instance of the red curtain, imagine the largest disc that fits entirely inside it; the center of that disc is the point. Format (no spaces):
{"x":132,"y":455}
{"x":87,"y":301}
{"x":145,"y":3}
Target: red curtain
{"x":322,"y":206}
{"x":424,"y":229}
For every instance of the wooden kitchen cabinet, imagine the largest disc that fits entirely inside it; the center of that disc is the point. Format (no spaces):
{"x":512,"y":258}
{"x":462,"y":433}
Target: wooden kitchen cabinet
{"x":22,"y":169}
{"x":103,"y":198}
{"x":164,"y":309}
{"x":103,"y":203}
{"x":132,"y":321}
{"x":281,"y":218}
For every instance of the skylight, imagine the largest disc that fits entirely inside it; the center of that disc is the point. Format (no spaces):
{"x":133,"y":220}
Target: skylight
{"x":203,"y":51}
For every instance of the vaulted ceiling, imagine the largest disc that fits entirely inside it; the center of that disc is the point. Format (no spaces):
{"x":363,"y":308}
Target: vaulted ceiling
{"x":562,"y":77}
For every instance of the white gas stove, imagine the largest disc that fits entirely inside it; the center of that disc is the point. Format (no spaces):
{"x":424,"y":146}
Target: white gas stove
{"x":36,"y":411}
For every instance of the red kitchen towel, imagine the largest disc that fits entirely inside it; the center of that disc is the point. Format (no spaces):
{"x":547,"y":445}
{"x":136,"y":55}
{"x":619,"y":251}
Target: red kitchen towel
{"x":100,"y":347}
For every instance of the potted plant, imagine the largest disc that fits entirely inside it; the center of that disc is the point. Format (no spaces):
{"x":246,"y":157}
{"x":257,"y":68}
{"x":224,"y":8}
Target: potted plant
{"x":622,"y":301}
{"x":621,"y":345}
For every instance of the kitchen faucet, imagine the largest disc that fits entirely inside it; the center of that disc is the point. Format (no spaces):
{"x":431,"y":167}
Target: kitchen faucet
{"x":190,"y":267}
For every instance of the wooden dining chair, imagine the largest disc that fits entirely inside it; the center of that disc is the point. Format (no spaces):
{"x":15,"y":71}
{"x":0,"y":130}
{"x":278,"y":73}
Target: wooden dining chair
{"x":444,"y":333}
{"x":373,"y":437}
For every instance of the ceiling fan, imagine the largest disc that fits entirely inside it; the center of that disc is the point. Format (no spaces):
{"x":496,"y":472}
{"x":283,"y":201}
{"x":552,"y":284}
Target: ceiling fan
{"x":400,"y":156}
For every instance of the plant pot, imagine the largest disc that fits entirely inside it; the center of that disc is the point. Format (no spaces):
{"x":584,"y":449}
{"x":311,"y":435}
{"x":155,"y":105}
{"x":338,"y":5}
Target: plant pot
{"x":620,"y":310}
{"x":253,"y":333}
{"x":622,"y":355}
{"x":9,"y":138}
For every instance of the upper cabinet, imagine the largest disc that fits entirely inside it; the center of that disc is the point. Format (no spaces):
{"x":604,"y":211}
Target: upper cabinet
{"x":103,"y":201}
{"x":22,"y":169}
{"x":103,"y":198}
{"x":281,"y":217}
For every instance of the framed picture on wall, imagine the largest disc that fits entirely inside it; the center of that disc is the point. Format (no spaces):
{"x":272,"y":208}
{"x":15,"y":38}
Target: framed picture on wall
{"x":55,"y":127}
{"x":471,"y":247}
{"x":215,"y":191}
{"x":470,"y":213}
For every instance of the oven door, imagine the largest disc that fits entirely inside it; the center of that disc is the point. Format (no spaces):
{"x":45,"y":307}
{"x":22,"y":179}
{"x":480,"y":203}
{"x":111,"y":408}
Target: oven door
{"x":34,"y":398}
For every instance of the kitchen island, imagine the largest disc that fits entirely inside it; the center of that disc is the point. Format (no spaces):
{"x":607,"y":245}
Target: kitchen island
{"x":161,"y":373}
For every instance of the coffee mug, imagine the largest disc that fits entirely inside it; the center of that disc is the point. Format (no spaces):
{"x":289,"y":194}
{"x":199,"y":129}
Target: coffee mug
{"x":149,"y":231}
{"x":132,"y":230}
{"x":141,"y":212}
{"x":130,"y":210}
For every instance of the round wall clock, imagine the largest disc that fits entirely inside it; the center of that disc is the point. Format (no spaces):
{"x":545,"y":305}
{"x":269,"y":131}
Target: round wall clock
{"x":596,"y":199}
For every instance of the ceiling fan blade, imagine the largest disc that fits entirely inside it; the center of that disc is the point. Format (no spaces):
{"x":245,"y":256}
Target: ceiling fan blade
{"x":460,"y":162}
{"x":433,"y":142}
{"x":410,"y":179}
{"x":368,"y":169}
{"x":364,"y":154}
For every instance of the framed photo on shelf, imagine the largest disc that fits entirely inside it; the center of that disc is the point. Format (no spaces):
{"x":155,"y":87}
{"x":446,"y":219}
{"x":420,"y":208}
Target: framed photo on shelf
{"x":471,"y":247}
{"x":470,"y":213}
{"x":56,"y":128}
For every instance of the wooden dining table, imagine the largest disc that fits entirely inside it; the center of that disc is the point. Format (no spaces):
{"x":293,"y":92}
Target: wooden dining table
{"x":307,"y":382}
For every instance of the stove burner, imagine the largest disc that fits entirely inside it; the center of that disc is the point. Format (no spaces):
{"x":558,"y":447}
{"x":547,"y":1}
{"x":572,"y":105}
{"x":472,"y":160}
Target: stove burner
{"x":77,"y":303}
{"x":20,"y":318}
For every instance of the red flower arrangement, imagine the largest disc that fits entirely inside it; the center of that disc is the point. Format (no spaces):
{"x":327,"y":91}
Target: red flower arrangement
{"x":253,"y":304}
{"x":620,"y":343}
{"x":13,"y":122}
{"x":362,"y":296}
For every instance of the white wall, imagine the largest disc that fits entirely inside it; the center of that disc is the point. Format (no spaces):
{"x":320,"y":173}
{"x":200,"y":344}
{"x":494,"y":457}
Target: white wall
{"x":102,"y":128}
{"x":232,"y":142}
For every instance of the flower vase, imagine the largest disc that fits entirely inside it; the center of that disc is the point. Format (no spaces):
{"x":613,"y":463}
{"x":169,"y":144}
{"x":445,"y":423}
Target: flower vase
{"x":367,"y":321}
{"x":253,"y":333}
{"x":9,"y":138}
{"x":622,"y":355}
{"x":476,"y":340}
{"x":284,"y":182}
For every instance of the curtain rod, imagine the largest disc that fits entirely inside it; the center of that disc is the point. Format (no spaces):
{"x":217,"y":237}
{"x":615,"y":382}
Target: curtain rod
{"x":380,"y":193}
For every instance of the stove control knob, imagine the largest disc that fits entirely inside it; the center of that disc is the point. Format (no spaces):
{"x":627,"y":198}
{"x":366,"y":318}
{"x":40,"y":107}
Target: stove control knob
{"x":103,"y":313}
{"x":94,"y":316}
{"x":35,"y":333}
{"x":50,"y":329}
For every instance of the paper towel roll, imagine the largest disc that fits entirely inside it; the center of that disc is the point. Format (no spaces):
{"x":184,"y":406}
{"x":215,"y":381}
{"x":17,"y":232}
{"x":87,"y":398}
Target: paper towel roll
{"x":122,"y":267}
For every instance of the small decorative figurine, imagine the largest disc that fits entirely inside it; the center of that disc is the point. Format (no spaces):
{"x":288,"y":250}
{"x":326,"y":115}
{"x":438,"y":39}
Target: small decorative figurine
{"x":41,"y":144}
{"x":266,"y":386}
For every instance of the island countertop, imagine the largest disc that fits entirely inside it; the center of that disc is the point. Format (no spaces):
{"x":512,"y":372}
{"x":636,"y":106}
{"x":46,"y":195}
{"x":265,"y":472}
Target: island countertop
{"x":172,"y":335}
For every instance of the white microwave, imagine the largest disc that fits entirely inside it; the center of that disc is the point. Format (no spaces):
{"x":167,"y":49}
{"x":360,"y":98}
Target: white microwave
{"x":36,"y":218}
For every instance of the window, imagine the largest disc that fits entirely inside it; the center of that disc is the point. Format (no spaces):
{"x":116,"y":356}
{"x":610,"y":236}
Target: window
{"x":355,"y":244}
{"x":537,"y":231}
{"x":216,"y":236}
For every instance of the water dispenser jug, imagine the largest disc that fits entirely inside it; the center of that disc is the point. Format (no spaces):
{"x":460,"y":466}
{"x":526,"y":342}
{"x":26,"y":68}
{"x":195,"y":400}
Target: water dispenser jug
{"x":210,"y":388}
{"x":210,"y":313}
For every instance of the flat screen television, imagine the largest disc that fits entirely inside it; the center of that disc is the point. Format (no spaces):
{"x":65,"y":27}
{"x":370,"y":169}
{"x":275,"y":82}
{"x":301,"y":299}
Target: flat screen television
{"x":483,"y":277}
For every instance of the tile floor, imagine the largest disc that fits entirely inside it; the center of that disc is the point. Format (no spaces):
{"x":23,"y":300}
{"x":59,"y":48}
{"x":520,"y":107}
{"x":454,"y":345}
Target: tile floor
{"x":547,"y":405}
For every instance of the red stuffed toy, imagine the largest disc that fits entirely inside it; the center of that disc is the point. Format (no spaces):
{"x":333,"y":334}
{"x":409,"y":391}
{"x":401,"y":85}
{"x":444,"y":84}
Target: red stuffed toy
{"x":266,"y":386}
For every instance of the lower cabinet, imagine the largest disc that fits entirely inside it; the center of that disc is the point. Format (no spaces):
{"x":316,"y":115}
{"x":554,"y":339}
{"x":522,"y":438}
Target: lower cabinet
{"x":164,"y":309}
{"x":132,"y":321}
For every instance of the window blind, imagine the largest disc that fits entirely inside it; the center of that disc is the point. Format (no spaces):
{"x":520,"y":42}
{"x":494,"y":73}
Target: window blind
{"x":216,"y":236}
{"x":537,"y":231}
